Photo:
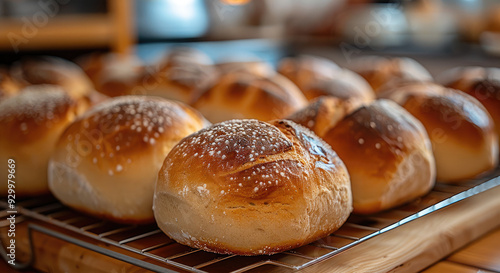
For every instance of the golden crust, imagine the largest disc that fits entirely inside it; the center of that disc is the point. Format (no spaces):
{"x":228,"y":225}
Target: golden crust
{"x":113,"y":74}
{"x":33,"y":121}
{"x":481,"y":83}
{"x":270,"y":187}
{"x":130,"y":126}
{"x":320,"y":77}
{"x":245,"y":95}
{"x":323,"y":113}
{"x":379,"y":71}
{"x":258,"y":68}
{"x":464,"y":119}
{"x":370,"y":134}
{"x":119,"y":143}
{"x":459,"y":127}
{"x":305,"y":70}
{"x":180,"y":56}
{"x":30,"y":115}
{"x":376,"y":142}
{"x":52,"y":70}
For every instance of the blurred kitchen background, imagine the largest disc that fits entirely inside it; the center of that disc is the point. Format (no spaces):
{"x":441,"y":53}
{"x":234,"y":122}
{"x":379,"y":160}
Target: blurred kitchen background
{"x":268,"y":29}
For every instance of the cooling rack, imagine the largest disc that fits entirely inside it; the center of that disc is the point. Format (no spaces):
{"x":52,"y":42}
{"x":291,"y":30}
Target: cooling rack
{"x":150,"y":242}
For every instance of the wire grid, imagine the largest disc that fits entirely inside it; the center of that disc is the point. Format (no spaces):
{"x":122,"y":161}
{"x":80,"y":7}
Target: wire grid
{"x":149,"y":240}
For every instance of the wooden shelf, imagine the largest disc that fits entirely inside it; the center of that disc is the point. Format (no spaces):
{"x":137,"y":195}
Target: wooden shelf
{"x":113,"y":29}
{"x":60,"y":32}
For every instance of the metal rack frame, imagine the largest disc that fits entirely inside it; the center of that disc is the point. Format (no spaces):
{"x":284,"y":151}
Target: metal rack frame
{"x":157,"y":246}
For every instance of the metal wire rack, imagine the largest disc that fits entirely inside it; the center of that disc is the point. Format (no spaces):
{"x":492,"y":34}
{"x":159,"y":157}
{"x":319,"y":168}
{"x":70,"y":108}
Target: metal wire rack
{"x":150,"y":242}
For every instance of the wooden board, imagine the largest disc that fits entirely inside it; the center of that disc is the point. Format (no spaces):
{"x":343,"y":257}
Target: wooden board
{"x":409,"y":248}
{"x":421,"y":243}
{"x":484,"y":253}
{"x":450,"y":267}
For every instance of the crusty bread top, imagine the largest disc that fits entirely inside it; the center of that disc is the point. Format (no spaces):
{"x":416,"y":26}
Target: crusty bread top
{"x":130,"y":126}
{"x":252,"y":96}
{"x":249,"y":158}
{"x":317,"y":77}
{"x":30,"y":114}
{"x":323,"y":113}
{"x":52,"y":70}
{"x":376,"y":138}
{"x":379,"y":71}
{"x":454,"y":113}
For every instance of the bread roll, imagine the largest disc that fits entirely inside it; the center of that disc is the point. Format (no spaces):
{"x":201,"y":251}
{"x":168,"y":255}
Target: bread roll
{"x":462,"y":132}
{"x":320,"y":77}
{"x":388,"y":155}
{"x":246,"y":95}
{"x":180,"y":56}
{"x":323,"y":113}
{"x":317,"y":76}
{"x":52,"y":70}
{"x":120,"y":144}
{"x":181,"y":82}
{"x":304,"y":70}
{"x":379,"y":71}
{"x":252,"y":188}
{"x":259,"y":68}
{"x":31,"y":123}
{"x":113,"y":74}
{"x":246,"y":63}
{"x":479,"y":82}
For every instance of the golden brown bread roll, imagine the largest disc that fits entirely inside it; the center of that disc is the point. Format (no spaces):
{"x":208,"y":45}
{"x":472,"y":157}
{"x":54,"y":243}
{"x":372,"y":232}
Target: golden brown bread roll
{"x":181,"y":82}
{"x":305,"y":69}
{"x":379,"y":71}
{"x":112,"y":74}
{"x":461,"y":131}
{"x":120,"y":144}
{"x":252,"y":188}
{"x":317,"y":77}
{"x":52,"y":70}
{"x":259,"y":68}
{"x":31,"y":123}
{"x":481,"y":83}
{"x":179,"y":56}
{"x":388,"y":155}
{"x":246,"y":95}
